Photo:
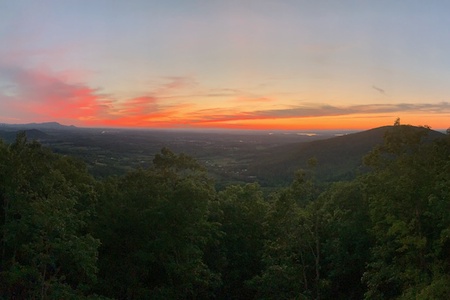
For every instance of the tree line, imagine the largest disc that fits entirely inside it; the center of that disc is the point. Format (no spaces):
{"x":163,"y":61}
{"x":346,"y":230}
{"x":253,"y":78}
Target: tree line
{"x":165,"y":232}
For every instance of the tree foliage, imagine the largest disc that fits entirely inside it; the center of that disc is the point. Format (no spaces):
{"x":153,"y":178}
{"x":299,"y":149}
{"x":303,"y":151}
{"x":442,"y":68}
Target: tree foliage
{"x":155,"y":228}
{"x":409,"y":203}
{"x":164,"y":232}
{"x":46,"y":201}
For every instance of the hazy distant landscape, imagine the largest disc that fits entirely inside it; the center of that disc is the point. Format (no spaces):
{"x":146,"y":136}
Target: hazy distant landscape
{"x":268,"y":157}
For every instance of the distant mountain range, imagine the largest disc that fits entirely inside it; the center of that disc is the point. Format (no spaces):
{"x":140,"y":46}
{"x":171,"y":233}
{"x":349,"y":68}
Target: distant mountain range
{"x":45,"y":125}
{"x":34,"y":131}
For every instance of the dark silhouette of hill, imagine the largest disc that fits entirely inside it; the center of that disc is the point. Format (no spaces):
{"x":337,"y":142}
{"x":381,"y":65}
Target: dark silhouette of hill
{"x":338,"y":158}
{"x":32,"y":134}
{"x":45,"y":125}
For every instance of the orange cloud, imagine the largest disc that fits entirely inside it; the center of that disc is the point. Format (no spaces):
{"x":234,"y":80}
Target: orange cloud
{"x":327,"y":116}
{"x":253,"y":100}
{"x":41,"y":95}
{"x":137,"y":106}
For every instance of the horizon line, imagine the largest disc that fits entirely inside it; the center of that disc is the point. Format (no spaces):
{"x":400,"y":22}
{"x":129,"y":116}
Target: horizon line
{"x":197,"y":129}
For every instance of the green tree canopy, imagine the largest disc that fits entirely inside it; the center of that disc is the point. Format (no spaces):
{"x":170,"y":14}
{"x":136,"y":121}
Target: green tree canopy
{"x":46,"y":200}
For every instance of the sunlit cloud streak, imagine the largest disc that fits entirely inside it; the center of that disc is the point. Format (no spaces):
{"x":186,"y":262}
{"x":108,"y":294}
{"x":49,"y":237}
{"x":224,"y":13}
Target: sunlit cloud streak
{"x":43,"y":95}
{"x":137,"y":106}
{"x":328,"y":111}
{"x":175,"y":84}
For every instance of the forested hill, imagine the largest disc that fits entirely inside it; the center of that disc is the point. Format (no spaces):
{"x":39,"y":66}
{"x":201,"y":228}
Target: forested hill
{"x":45,"y":125}
{"x":32,"y":134}
{"x":338,"y":158}
{"x":165,"y":232}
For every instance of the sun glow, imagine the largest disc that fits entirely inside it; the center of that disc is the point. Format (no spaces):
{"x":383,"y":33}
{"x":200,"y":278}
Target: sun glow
{"x":316,"y":67}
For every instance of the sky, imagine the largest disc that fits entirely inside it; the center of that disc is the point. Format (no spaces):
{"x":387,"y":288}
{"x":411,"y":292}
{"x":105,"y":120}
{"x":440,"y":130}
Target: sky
{"x":229,"y":64}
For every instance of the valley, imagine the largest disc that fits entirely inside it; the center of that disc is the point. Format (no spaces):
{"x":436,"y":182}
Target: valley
{"x":270,"y":158}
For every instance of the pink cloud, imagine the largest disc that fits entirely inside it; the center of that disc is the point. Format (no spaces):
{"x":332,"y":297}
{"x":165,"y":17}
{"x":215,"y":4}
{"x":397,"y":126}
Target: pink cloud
{"x":35,"y":95}
{"x":41,"y":93}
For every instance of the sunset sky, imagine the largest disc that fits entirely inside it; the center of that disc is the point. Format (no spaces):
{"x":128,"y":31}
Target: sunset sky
{"x":238,"y":64}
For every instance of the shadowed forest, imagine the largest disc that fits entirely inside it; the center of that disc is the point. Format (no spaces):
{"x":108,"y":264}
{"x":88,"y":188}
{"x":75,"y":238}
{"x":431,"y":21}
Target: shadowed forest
{"x":166,"y":230}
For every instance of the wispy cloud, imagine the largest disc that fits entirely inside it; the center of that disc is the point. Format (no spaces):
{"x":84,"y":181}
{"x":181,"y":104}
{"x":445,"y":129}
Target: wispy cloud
{"x":380,"y":90}
{"x":43,"y":95}
{"x":325,"y":110}
{"x":222,"y":92}
{"x":137,"y":106}
{"x":175,"y":84}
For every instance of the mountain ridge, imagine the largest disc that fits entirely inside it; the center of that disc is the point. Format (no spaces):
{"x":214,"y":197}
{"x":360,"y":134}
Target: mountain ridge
{"x":43,"y":125}
{"x":338,"y":158}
